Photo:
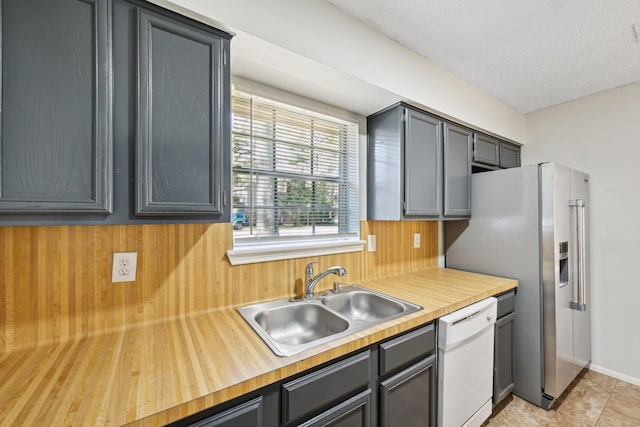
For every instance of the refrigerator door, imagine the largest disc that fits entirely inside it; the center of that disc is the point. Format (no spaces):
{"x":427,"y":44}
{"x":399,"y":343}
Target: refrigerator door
{"x":556,"y":220}
{"x":524,"y":226}
{"x":580,"y":273}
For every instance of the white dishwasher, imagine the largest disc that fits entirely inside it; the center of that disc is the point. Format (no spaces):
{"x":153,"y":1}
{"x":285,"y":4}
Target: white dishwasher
{"x":465,"y":364}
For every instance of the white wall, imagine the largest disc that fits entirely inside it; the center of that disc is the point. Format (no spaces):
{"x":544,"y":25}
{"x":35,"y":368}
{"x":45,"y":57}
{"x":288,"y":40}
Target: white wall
{"x":600,"y":134}
{"x":316,"y":30}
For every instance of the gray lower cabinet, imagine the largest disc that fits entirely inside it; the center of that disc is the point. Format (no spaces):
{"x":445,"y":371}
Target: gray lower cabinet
{"x":388,"y":384}
{"x":248,"y":414}
{"x":257,"y":409}
{"x":407,"y":387}
{"x":419,"y":166}
{"x":406,"y":399}
{"x":327,"y":391}
{"x":504,"y":346}
{"x":56,"y":85}
{"x":354,"y":412}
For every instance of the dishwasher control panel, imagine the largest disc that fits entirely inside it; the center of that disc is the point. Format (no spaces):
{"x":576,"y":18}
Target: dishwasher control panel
{"x":468,"y":321}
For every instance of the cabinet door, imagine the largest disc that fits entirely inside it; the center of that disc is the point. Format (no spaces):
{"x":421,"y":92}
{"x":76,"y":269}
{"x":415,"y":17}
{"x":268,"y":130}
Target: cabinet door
{"x":408,"y":398}
{"x":422,"y":165}
{"x":503,"y":357}
{"x":55,"y":146}
{"x":486,"y":150}
{"x":384,"y":164}
{"x":509,"y":155}
{"x":180,"y":159}
{"x":458,"y":143}
{"x":246,"y":415}
{"x":355,"y":412}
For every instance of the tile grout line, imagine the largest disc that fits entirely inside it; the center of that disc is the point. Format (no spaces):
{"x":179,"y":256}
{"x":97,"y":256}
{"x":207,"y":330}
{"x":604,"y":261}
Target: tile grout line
{"x":610,"y":392}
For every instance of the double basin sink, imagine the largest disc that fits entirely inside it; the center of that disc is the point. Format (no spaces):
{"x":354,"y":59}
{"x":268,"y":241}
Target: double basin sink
{"x":291,"y":326}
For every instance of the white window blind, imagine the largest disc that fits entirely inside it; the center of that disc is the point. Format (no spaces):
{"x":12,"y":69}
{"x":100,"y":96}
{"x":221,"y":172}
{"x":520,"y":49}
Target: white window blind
{"x":295,"y":173}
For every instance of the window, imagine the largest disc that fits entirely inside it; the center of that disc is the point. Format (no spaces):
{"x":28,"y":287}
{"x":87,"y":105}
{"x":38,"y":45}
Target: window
{"x":295,"y":177}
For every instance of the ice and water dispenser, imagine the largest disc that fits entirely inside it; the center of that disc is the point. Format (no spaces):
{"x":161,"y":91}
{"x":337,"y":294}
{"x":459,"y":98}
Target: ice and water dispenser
{"x":563,"y":264}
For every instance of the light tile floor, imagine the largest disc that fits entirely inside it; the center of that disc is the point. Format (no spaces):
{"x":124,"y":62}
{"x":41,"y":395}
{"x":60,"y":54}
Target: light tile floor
{"x":592,"y":399}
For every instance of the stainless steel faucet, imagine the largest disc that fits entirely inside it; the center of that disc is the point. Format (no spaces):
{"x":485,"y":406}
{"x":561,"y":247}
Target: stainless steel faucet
{"x":312,"y":280}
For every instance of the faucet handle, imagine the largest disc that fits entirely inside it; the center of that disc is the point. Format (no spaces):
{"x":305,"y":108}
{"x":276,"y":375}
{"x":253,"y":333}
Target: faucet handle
{"x":309,"y":269}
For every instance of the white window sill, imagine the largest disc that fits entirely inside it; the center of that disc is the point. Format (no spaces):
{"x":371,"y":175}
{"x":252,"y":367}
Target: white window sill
{"x":276,"y":252}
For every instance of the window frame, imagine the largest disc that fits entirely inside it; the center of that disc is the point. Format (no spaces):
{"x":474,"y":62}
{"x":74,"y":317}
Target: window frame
{"x":271,"y":248}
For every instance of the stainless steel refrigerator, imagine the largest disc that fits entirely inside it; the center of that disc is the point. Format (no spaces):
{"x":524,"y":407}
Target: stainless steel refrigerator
{"x":531,"y":224}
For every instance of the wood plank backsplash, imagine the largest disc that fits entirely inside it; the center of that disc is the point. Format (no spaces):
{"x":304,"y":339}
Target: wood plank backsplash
{"x":55,"y":281}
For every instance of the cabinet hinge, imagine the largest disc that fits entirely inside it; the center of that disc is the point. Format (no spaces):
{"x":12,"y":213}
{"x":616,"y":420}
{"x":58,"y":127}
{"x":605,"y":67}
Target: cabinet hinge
{"x":224,"y":198}
{"x":404,"y":116}
{"x":224,"y":57}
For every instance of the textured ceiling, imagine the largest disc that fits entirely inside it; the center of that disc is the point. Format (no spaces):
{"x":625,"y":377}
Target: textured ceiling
{"x":530,"y":54}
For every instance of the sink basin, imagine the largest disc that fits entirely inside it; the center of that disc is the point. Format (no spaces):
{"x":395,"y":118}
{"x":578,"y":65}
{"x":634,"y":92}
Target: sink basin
{"x":300,"y":323}
{"x":291,"y":326}
{"x":363,"y":305}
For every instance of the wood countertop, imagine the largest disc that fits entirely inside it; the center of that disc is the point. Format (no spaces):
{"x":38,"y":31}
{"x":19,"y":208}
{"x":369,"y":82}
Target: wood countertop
{"x":157,"y":373}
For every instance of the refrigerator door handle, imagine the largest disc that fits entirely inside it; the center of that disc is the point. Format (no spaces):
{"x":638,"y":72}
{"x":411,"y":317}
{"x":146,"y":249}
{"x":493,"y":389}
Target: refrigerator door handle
{"x":580,"y":301}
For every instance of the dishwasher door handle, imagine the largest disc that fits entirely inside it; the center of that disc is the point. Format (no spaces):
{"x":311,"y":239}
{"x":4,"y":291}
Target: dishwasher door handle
{"x":469,"y":317}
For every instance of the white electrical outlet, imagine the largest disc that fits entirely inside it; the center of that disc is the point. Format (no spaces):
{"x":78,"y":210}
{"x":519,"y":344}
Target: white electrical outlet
{"x":416,"y":240}
{"x":124,"y":266}
{"x":371,"y":238}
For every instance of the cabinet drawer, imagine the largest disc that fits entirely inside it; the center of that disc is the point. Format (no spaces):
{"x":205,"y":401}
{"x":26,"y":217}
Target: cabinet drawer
{"x":321,"y":388}
{"x":486,"y":150}
{"x":404,"y":349}
{"x":246,"y":415}
{"x":506,"y":303}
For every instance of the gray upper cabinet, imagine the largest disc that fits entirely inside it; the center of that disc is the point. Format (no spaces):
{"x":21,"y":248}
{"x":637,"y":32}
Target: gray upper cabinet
{"x":491,"y":153}
{"x":181,"y":166}
{"x":509,"y":155}
{"x":458,"y":143}
{"x":418,"y":166}
{"x":422,"y":165}
{"x":55,"y":140}
{"x":385,"y":181}
{"x":113,"y":112}
{"x":486,"y":150}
